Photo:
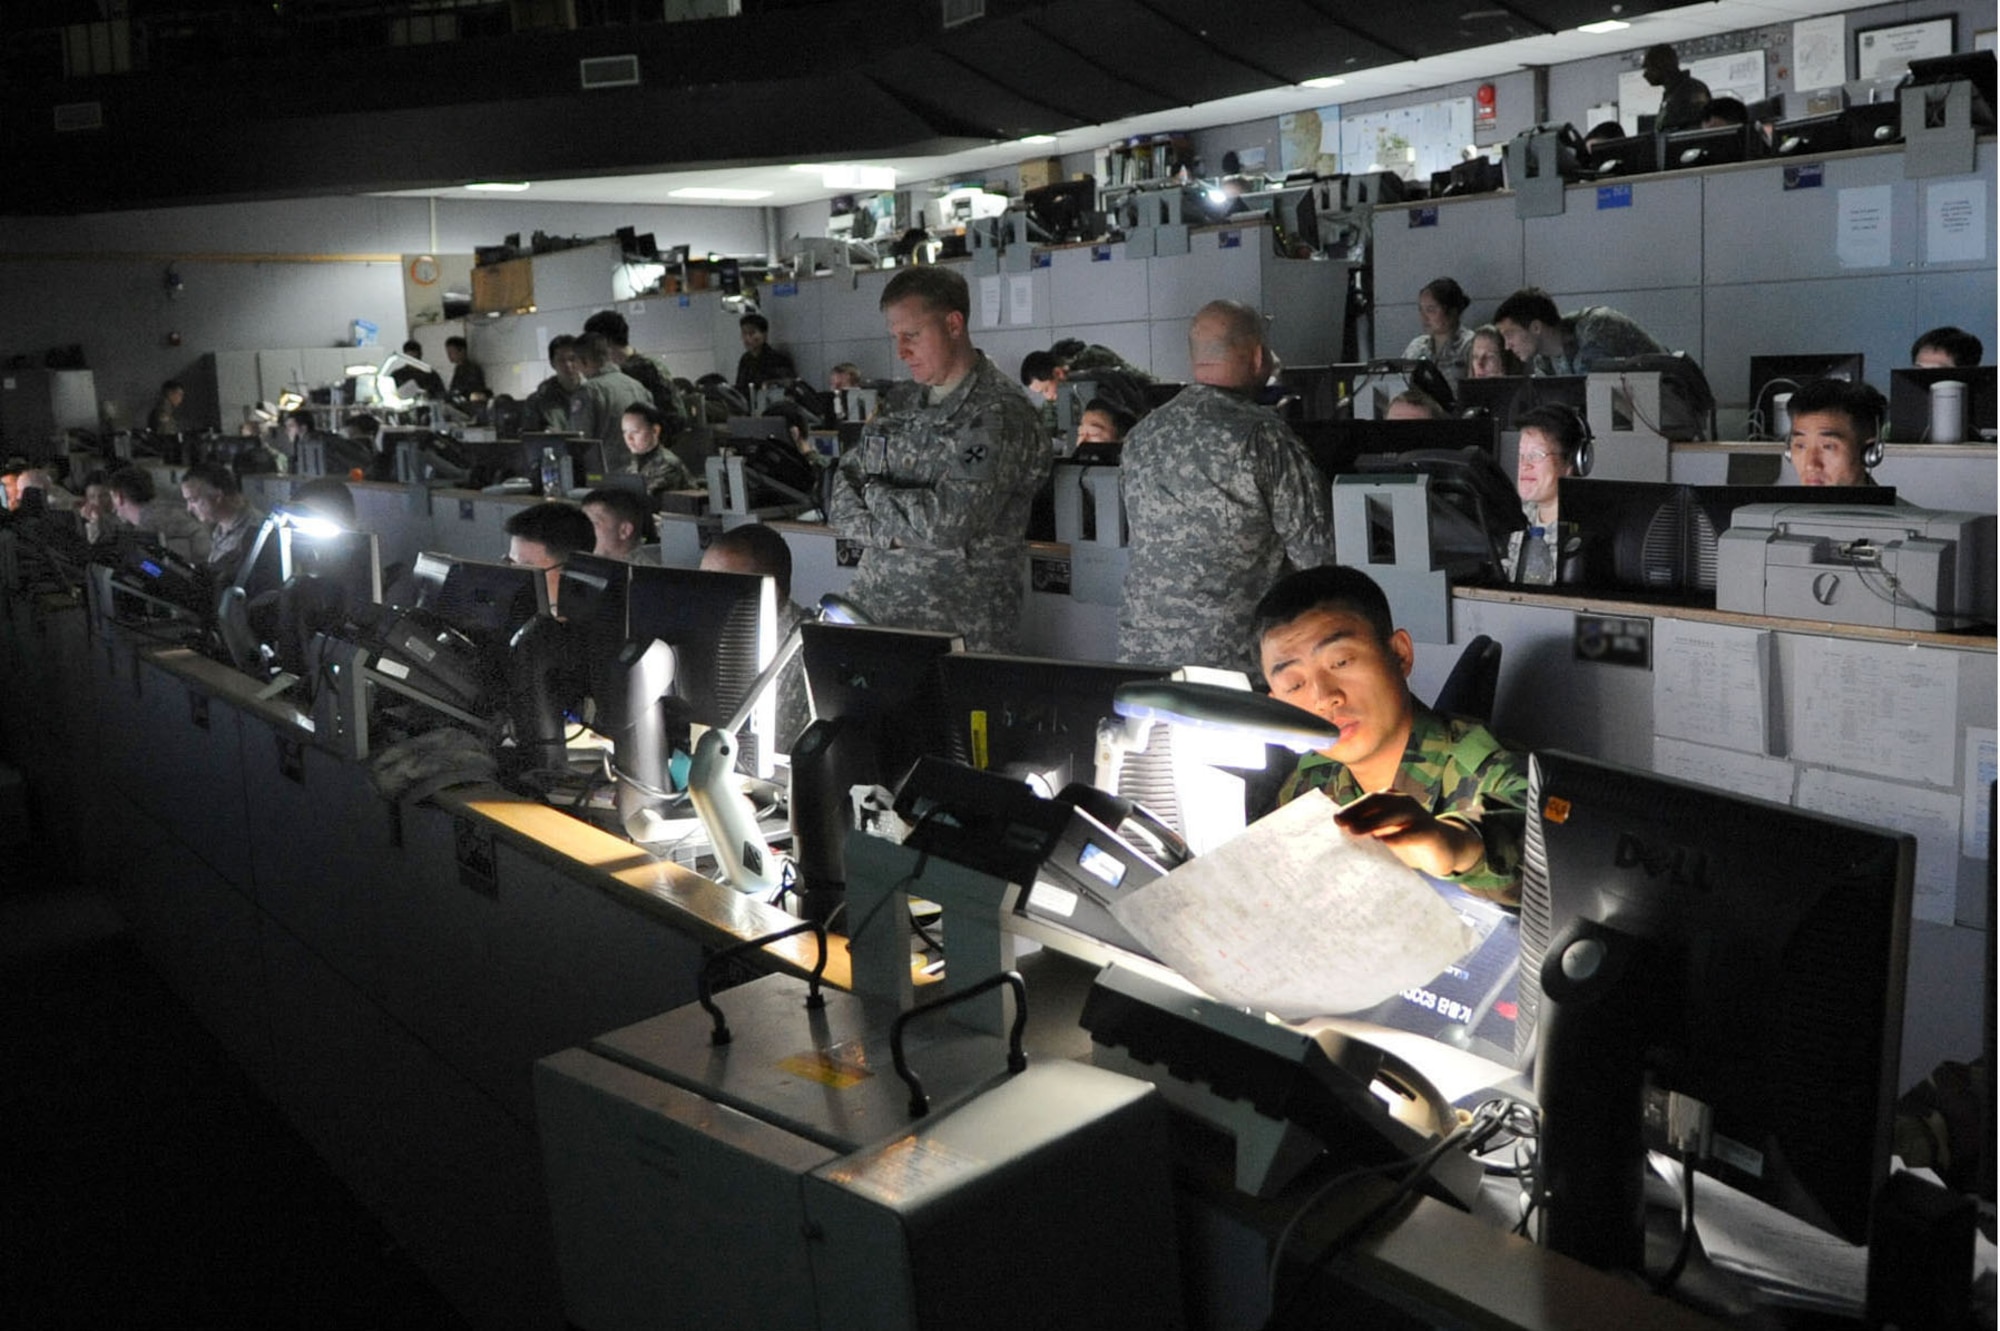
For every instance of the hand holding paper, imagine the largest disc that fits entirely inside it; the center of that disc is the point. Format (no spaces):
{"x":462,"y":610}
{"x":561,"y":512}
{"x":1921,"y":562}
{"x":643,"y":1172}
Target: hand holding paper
{"x":1297,"y":917}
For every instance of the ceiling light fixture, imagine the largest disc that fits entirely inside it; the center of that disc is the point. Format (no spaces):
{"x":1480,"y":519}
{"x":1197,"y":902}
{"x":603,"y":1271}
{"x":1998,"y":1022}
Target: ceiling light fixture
{"x":838,"y":175}
{"x":1325,"y":81}
{"x":499,"y":186}
{"x":1039,"y":139}
{"x":718,"y":192}
{"x":1603,"y":26}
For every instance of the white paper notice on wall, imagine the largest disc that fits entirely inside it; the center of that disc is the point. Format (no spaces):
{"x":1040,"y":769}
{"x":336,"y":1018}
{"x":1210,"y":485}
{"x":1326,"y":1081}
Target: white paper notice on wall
{"x":1980,"y":770}
{"x":989,"y":301}
{"x":1955,"y":222}
{"x":1710,"y":683}
{"x":1724,"y":769}
{"x":1021,"y":298}
{"x":1864,"y":226}
{"x":1819,"y":52}
{"x":1931,"y":816}
{"x":1875,"y":708}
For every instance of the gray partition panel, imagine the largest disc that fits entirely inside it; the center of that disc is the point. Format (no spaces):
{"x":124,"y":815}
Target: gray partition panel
{"x":1476,"y":240}
{"x":1756,"y":230}
{"x":1959,"y":298}
{"x":1672,"y":315}
{"x":1652,"y":241}
{"x":1090,"y":289}
{"x":1867,"y":314}
{"x":1180,"y":285}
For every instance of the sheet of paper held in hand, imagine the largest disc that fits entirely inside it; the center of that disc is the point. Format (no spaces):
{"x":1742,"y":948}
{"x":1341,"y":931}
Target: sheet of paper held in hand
{"x":1298,"y":918}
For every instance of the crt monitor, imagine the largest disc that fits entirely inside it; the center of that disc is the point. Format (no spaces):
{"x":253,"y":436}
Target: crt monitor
{"x":1658,"y":538}
{"x":1910,"y":401}
{"x":1788,"y":373}
{"x":1677,"y":941}
{"x":723,"y":630}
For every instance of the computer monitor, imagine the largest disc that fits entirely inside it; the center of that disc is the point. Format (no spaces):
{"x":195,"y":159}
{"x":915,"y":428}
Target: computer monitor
{"x":592,"y":597}
{"x":1809,"y":136}
{"x":1031,"y":718}
{"x":723,"y":630}
{"x":1318,"y":392}
{"x":1910,"y":401}
{"x":1381,"y":381}
{"x":1293,"y":213}
{"x":1677,"y":941}
{"x":1974,"y":67}
{"x":1336,"y":446}
{"x":1635,"y":155}
{"x":1506,"y":397}
{"x":488,"y":602}
{"x":1065,"y":210}
{"x":1787,"y":373}
{"x":1686,"y":149}
{"x":1474,"y":506}
{"x":1658,"y":538}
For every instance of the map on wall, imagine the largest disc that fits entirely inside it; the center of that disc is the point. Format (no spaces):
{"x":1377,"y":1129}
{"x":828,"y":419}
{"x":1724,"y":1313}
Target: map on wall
{"x":1412,"y":141}
{"x":1310,"y":141}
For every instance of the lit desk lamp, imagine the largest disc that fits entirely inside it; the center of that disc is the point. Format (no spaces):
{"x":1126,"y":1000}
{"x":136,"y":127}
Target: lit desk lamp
{"x":1254,"y":716}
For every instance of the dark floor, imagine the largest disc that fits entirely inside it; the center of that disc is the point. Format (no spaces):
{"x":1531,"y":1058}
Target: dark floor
{"x":145,"y":1181}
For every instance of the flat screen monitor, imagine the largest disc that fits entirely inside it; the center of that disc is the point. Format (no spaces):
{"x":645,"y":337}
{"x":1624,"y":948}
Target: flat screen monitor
{"x":1910,"y":401}
{"x":1474,"y":506}
{"x":723,"y":630}
{"x":1318,"y":392}
{"x":1658,"y":538}
{"x":1505,"y":397}
{"x":1293,"y":213}
{"x":1337,"y":446}
{"x":592,"y":599}
{"x":1974,"y":67}
{"x":1473,"y":1004}
{"x":1809,"y":136}
{"x":1787,"y":373}
{"x":883,"y":683}
{"x":1064,"y":211}
{"x":1677,"y":940}
{"x":1381,"y":381}
{"x":1636,"y":155}
{"x":1684,"y":150}
{"x":351,"y":560}
{"x":1030,"y":718}
{"x":488,"y":602}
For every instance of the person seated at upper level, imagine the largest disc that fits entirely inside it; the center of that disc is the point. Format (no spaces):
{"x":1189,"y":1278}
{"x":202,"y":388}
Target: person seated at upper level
{"x":1487,"y":356}
{"x":1101,"y":430}
{"x":1552,"y":438}
{"x":139,"y":505}
{"x":1413,"y":404}
{"x":1548,"y":341}
{"x":1836,"y":429}
{"x":624,"y":526}
{"x":760,"y":363}
{"x":544,"y":536}
{"x":1683,"y":97}
{"x":755,"y":548}
{"x":216,"y":500}
{"x":1946,"y":348}
{"x":468,"y":377}
{"x":1445,"y":340}
{"x":1441,"y":793}
{"x":165,"y":419}
{"x":644,"y":427}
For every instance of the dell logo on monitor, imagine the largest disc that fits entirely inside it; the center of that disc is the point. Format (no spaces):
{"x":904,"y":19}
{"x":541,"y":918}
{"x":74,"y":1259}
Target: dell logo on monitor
{"x":1677,"y":864}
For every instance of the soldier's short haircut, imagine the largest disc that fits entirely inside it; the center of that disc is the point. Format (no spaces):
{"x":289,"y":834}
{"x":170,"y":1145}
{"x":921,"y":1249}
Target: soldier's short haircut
{"x":560,"y":343}
{"x":762,"y":549}
{"x":611,"y":324}
{"x":215,"y":476}
{"x":1422,"y":401}
{"x":1328,"y":587}
{"x":132,"y":484}
{"x":1223,"y":327}
{"x":651,"y":414}
{"x":756,"y":321}
{"x":593,"y":349}
{"x":624,"y":505}
{"x":1862,"y":404}
{"x":941,"y":290}
{"x":1963,"y":347}
{"x":562,"y":529}
{"x":1037,"y":366}
{"x":1121,"y":419}
{"x":1527,"y":306}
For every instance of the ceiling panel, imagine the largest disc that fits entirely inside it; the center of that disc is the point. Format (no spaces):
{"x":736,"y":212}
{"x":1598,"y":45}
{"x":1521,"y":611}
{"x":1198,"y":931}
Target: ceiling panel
{"x":1145,"y":49}
{"x":1293,"y":39}
{"x":959,"y":98}
{"x":1018,"y":54}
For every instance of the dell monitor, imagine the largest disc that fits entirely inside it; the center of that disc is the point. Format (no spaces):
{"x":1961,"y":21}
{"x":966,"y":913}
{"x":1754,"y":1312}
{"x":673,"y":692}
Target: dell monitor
{"x":1337,"y":447}
{"x":1637,"y":155}
{"x":1682,"y":950}
{"x":1686,"y":149}
{"x":1030,"y":718}
{"x":722,"y":628}
{"x":592,"y":597}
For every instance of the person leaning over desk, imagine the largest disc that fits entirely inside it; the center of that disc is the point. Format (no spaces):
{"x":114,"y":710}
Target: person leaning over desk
{"x":1440,"y":792}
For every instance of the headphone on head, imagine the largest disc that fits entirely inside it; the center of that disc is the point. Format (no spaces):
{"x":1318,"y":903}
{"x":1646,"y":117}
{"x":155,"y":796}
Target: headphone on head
{"x":1580,"y":456}
{"x":1871,"y":452}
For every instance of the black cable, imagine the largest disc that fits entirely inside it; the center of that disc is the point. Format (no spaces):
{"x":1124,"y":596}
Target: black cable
{"x":1663,"y":1282}
{"x":929,"y":940}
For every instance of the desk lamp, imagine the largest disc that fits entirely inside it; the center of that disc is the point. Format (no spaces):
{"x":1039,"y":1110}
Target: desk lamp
{"x":1233,"y":711}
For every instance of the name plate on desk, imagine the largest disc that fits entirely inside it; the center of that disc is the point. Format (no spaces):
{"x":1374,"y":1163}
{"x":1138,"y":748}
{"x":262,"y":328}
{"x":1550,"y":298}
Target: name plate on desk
{"x":1047,"y":573}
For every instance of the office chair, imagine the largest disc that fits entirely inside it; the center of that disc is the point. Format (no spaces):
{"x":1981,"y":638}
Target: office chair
{"x":1468,"y":691}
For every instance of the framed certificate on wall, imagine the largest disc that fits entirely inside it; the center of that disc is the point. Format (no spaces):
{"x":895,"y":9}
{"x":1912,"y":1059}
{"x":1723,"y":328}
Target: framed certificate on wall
{"x":1885,"y":52}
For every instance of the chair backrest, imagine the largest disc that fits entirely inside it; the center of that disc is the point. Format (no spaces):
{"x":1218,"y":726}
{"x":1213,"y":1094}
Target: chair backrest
{"x":1468,"y":691}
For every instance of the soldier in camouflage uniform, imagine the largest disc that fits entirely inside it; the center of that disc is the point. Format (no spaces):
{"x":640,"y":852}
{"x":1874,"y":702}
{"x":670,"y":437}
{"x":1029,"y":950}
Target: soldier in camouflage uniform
{"x":1113,"y":378}
{"x":1222,"y":500}
{"x":598,"y":407}
{"x":1548,"y":342}
{"x":939,"y":488}
{"x":661,"y":468}
{"x":649,"y":374}
{"x":1443,"y":795}
{"x":547,"y":408}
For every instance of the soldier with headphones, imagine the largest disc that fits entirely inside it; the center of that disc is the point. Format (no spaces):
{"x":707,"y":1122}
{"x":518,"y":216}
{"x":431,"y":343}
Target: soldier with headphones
{"x":1555,"y":442}
{"x":1836,"y":432}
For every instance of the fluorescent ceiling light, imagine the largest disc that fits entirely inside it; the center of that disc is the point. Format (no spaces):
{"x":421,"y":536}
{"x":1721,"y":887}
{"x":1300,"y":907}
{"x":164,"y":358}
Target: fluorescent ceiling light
{"x":718,"y":192}
{"x":499,"y":186}
{"x":1039,"y":138}
{"x":842,"y":176}
{"x":1326,"y":81}
{"x":1603,"y":26}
